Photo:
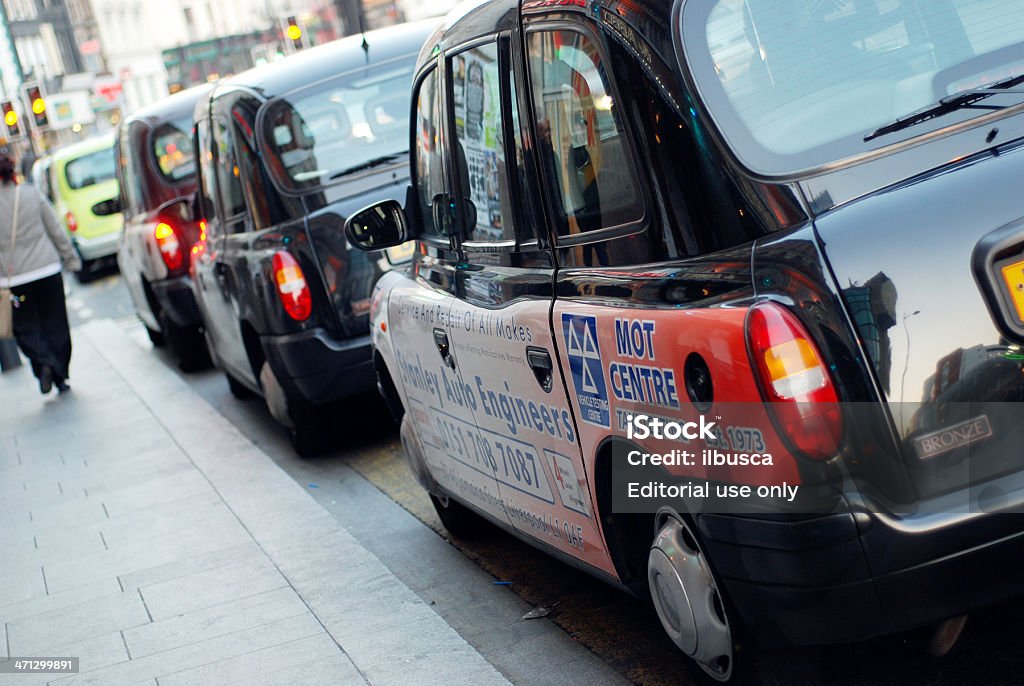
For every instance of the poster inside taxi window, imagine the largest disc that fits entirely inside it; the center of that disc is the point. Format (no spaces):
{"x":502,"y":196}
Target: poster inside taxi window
{"x":477,"y":100}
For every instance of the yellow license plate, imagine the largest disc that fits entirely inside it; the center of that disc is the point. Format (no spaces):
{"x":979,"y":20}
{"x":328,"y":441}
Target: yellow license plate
{"x":1013,"y":276}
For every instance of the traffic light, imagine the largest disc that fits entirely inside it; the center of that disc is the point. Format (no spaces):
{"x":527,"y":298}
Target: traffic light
{"x":294,"y":33}
{"x":37,"y":103}
{"x":11,"y":119}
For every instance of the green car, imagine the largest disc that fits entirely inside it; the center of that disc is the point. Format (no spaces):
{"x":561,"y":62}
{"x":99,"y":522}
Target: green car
{"x":85,"y":194}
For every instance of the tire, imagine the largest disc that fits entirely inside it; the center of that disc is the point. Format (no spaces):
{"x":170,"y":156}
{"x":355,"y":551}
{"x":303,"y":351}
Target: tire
{"x":85,"y":274}
{"x":237,"y":388}
{"x":310,"y":428}
{"x":310,"y":432}
{"x":723,"y":651}
{"x":187,"y":343}
{"x":156,"y":337}
{"x":459,"y":520}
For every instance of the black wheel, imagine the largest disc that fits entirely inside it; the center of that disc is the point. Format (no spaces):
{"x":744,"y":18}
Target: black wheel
{"x":459,"y":520}
{"x":85,"y":274}
{"x":238,"y":389}
{"x":187,"y":343}
{"x":155,"y":337}
{"x":310,"y":432}
{"x":700,"y":620}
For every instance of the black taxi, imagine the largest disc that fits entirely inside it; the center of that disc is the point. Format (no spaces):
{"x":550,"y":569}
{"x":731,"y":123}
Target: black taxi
{"x":285,"y":153}
{"x":156,"y":177}
{"x":723,"y":302}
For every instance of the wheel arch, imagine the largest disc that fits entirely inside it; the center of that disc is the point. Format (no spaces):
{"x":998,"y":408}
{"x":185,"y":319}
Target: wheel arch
{"x":627,"y":536}
{"x":253,"y":347}
{"x":151,"y":300}
{"x":386,"y":387}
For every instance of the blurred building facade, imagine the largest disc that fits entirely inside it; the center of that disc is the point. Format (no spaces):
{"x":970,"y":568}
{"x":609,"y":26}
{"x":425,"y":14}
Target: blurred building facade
{"x":97,"y":60}
{"x":55,"y":45}
{"x":135,"y":34}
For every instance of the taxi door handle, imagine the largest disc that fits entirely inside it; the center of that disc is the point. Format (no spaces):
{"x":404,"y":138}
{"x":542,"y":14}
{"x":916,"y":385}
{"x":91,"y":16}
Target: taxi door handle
{"x":540,"y":362}
{"x":443,"y":347}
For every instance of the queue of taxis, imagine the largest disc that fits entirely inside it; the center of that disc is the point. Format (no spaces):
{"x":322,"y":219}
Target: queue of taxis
{"x":791,"y":229}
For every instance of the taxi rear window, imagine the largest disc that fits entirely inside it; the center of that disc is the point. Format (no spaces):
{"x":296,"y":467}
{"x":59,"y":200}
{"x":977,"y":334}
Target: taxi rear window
{"x":335,"y":129}
{"x":91,"y":169}
{"x":172,"y":150}
{"x":795,"y":84}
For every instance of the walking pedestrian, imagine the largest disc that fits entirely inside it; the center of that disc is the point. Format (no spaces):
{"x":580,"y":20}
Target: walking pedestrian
{"x":34,"y":248}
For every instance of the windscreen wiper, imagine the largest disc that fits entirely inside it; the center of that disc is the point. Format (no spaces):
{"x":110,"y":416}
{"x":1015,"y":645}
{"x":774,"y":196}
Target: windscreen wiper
{"x":968,"y":99}
{"x":371,"y":163}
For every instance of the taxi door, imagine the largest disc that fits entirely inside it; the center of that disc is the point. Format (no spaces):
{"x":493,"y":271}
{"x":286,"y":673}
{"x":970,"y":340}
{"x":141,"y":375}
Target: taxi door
{"x":501,"y":318}
{"x":216,"y":284}
{"x":439,"y":401}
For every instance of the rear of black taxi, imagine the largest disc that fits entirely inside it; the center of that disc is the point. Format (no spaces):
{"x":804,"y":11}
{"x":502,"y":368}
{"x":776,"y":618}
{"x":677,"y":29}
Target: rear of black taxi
{"x":855,"y":164}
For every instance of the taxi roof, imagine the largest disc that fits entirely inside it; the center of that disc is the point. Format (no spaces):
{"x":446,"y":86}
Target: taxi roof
{"x":89,"y":145}
{"x":336,"y":57}
{"x":468,"y":20}
{"x":172,"y":107}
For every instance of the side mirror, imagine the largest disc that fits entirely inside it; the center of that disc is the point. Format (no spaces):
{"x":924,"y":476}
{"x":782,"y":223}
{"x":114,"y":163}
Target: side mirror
{"x":180,"y":210}
{"x":107,"y":207}
{"x":378,"y":226}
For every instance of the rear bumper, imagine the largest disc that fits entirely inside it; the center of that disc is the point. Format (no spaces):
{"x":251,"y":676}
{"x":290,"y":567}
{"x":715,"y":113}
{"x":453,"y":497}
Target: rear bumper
{"x":104,"y":245}
{"x":315,"y":368}
{"x":820,"y":581}
{"x":175,"y":297}
{"x":984,"y":575}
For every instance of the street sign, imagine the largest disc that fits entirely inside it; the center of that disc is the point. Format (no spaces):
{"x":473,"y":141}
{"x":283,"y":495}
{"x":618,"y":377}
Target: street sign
{"x":68,"y":109}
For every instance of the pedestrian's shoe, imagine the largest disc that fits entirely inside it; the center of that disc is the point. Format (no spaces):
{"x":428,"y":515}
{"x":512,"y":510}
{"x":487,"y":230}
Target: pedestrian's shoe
{"x":45,"y":380}
{"x":62,"y":386}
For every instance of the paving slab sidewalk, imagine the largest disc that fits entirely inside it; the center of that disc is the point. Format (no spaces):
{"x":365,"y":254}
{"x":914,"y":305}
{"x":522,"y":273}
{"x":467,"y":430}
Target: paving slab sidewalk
{"x":143,"y":533}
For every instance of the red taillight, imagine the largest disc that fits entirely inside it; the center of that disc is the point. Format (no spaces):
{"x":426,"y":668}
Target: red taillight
{"x":795,"y":381}
{"x":170,"y":246}
{"x":292,"y":288}
{"x":70,"y":220}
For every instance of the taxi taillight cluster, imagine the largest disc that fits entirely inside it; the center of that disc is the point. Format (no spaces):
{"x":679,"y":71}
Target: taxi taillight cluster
{"x":170,"y":246}
{"x":795,"y":381}
{"x":292,"y":288}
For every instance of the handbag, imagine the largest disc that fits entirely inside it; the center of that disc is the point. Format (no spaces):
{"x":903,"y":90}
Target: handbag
{"x":6,"y":293}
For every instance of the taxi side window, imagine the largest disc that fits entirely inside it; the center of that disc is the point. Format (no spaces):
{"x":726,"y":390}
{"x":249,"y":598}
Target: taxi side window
{"x":229,"y":183}
{"x":479,"y":131}
{"x":206,"y":171}
{"x":583,"y":150}
{"x":131,"y":180}
{"x":428,"y":145}
{"x":258,"y":192}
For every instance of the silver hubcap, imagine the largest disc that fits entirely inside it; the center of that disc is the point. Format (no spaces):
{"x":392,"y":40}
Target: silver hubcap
{"x":687,"y":599}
